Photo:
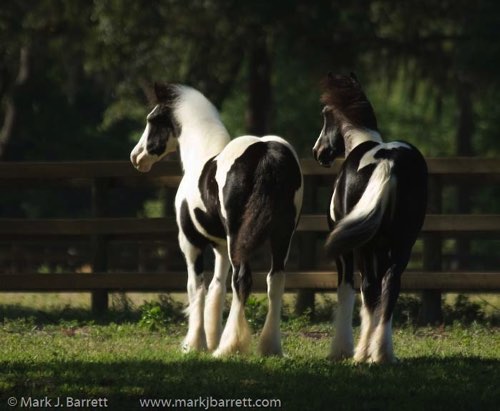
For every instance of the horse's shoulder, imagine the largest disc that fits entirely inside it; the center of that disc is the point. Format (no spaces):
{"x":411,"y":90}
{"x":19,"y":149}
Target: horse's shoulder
{"x":362,"y":153}
{"x":188,"y":191}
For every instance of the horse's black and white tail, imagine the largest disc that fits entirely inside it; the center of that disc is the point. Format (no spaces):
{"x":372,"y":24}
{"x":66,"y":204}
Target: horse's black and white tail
{"x":363,"y":222}
{"x":266,"y":203}
{"x":254,"y":230}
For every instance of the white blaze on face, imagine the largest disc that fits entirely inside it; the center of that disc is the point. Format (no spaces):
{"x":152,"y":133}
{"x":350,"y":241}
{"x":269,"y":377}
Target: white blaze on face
{"x":320,"y":141}
{"x":139,"y":154}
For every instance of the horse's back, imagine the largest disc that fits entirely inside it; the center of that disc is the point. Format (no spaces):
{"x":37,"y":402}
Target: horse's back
{"x":408,"y":198}
{"x":241,"y":148}
{"x":260,"y":190}
{"x":249,"y":160}
{"x":407,"y":201}
{"x":410,"y":170}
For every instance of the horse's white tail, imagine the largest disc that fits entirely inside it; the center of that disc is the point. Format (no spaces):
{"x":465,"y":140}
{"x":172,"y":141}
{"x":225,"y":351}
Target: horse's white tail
{"x":362,"y":223}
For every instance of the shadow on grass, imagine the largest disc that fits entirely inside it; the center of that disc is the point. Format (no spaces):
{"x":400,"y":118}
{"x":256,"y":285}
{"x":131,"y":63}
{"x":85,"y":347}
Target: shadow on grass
{"x":454,"y":382}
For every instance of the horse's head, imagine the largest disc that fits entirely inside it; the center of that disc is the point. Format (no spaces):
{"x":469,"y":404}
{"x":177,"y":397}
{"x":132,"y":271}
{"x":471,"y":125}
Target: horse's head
{"x":162,"y":131}
{"x":345,"y":108}
{"x":330,"y":143}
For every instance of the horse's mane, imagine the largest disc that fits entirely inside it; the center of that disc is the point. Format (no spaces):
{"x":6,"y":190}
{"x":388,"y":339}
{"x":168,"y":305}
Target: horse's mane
{"x":345,"y":96}
{"x":178,"y":96}
{"x":166,"y":93}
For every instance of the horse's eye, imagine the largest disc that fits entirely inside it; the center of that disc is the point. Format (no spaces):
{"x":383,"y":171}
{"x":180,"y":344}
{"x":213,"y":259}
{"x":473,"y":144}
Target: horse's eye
{"x":159,"y":121}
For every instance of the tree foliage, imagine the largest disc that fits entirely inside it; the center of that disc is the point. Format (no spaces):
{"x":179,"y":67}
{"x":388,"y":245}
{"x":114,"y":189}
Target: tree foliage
{"x":75,"y":77}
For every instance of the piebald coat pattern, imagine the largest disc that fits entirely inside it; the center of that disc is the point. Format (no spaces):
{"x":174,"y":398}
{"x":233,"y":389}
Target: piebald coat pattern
{"x":235,"y":195}
{"x":375,"y":214}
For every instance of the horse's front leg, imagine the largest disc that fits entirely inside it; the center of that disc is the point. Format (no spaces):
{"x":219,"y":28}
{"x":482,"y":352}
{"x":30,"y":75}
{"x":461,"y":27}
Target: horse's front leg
{"x":214,"y":304}
{"x":343,"y":343}
{"x":195,"y":338}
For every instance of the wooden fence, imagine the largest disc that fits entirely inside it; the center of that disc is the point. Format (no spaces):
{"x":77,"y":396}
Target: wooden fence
{"x":102,"y":226}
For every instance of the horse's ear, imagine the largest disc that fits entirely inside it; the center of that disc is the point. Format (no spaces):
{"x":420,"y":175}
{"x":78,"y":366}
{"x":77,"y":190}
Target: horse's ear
{"x":354,"y":78}
{"x":329,"y":80}
{"x":162,"y":91}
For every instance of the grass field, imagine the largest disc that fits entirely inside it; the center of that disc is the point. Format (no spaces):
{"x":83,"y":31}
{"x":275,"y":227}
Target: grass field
{"x":128,"y":357}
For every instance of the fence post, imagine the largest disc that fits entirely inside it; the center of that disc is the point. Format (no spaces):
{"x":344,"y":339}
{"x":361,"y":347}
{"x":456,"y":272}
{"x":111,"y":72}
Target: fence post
{"x":307,"y":247}
{"x":169,"y":201}
{"x":431,"y":311}
{"x":463,"y":244}
{"x":99,"y":244}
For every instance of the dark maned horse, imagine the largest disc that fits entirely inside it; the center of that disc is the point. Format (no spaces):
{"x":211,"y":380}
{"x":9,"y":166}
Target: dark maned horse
{"x":376,"y":212}
{"x":234,"y":196}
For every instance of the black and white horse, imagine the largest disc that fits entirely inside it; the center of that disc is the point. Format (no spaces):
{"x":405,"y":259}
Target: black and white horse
{"x":234,"y":195}
{"x":376,"y":212}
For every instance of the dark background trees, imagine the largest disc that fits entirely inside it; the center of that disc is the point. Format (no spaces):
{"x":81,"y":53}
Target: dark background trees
{"x":75,"y":77}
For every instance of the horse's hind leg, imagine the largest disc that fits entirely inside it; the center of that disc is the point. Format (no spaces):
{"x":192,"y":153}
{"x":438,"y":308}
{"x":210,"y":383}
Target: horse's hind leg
{"x":270,"y":338}
{"x":381,"y":348}
{"x":342,"y":342}
{"x":214,"y":303}
{"x":236,"y":335}
{"x":370,"y":295}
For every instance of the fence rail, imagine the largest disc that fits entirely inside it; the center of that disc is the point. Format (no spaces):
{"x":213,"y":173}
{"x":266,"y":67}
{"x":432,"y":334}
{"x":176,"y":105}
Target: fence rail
{"x":295,"y":280}
{"x":101,"y":175}
{"x":434,"y":223}
{"x":446,"y":166}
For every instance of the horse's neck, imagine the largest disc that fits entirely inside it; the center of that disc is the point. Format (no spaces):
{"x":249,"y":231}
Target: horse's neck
{"x":197,"y":144}
{"x":356,"y":136}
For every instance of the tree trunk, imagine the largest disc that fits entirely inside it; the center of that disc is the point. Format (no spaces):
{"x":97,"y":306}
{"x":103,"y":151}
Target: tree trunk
{"x":10,"y":113}
{"x":464,"y":134}
{"x":259,"y":91}
{"x":465,"y":119}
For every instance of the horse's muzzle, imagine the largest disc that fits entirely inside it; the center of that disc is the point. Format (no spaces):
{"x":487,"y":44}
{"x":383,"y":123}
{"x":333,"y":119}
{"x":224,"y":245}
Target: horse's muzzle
{"x":140,"y":160}
{"x":324,"y":156}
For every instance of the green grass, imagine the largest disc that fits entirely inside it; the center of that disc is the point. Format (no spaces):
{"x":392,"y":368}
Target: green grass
{"x":439,"y":368}
{"x":53,"y":346}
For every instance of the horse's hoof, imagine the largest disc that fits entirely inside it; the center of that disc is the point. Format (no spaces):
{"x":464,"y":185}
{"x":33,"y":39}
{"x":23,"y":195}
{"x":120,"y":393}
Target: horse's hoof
{"x":270,"y":349}
{"x":271,"y":353}
{"x":383,"y":359}
{"x":220,"y":353}
{"x":339,"y":356}
{"x":196,"y":346}
{"x":360,"y":358}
